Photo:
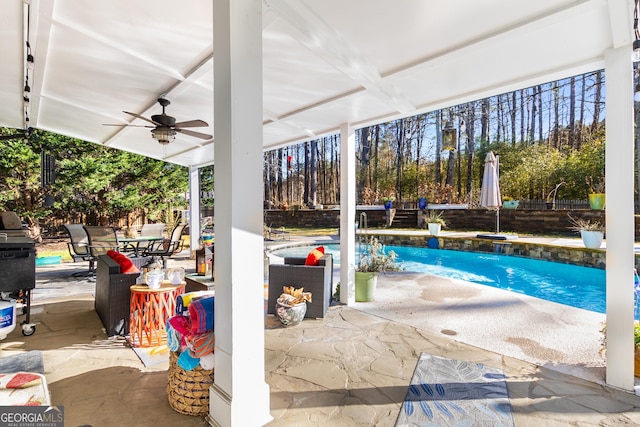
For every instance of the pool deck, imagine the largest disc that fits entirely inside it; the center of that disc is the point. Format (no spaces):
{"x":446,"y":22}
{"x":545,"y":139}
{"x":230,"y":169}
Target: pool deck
{"x":540,"y":332}
{"x":351,"y":368}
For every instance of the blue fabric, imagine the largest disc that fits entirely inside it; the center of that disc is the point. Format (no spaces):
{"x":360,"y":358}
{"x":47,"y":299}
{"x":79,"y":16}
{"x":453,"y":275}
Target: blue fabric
{"x":187,"y":362}
{"x":433,"y":243}
{"x":173,"y":338}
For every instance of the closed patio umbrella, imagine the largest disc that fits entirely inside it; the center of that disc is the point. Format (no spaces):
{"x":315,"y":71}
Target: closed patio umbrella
{"x":490,"y":191}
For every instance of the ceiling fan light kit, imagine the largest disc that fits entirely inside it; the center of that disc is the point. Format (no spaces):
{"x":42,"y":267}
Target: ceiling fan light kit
{"x":163,"y":135}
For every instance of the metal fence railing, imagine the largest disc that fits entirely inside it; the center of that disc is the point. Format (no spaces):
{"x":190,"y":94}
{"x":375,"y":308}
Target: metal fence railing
{"x":539,"y":204}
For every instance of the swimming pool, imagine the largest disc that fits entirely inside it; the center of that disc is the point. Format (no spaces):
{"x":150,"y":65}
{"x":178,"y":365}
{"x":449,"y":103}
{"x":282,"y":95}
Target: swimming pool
{"x":576,"y":286}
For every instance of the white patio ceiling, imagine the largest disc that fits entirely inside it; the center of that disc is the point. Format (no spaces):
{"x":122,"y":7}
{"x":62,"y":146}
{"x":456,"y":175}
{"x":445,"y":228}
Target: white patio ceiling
{"x":326,"y":62}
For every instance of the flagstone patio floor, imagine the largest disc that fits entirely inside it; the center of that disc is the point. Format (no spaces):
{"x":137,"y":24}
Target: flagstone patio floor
{"x":351,"y":368}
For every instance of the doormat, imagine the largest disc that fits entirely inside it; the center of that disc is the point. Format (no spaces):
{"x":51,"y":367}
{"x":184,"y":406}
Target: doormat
{"x":452,"y":392}
{"x":28,"y":361}
{"x":151,"y":356}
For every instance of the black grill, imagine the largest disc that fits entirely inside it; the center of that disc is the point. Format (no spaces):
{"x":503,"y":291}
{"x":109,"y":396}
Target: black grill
{"x":18,"y":271}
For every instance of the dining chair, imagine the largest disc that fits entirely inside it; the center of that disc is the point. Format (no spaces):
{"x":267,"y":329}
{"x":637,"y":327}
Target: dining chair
{"x":78,"y":245}
{"x":147,"y":230}
{"x":167,"y":247}
{"x":101,"y":239}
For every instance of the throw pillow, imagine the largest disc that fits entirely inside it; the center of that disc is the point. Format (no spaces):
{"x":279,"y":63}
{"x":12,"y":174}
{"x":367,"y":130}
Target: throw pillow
{"x":314,"y":256}
{"x":126,"y":266}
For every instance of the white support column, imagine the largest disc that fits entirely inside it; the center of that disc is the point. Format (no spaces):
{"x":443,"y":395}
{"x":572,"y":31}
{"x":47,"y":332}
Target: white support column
{"x":620,"y":229}
{"x":347,"y":214}
{"x":194,"y":208}
{"x":240,"y":394}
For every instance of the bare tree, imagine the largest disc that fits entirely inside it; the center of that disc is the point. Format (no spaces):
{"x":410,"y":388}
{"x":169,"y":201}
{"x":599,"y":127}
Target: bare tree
{"x":597,"y":103}
{"x":572,"y":113}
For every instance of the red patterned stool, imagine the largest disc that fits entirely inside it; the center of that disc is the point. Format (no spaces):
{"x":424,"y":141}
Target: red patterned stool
{"x":150,"y":309}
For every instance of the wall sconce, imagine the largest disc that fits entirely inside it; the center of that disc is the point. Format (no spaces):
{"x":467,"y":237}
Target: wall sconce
{"x":449,"y":137}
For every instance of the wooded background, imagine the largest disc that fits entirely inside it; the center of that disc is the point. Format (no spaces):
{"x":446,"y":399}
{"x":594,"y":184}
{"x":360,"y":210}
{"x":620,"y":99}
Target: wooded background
{"x":546,"y":136}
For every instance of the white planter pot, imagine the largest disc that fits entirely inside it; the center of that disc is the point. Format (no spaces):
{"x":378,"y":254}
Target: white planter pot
{"x":592,"y":239}
{"x":434,"y":228}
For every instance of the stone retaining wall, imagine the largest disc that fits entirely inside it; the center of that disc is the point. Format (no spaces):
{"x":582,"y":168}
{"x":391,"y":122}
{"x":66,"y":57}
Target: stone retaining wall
{"x":568,"y":255}
{"x":529,"y":221}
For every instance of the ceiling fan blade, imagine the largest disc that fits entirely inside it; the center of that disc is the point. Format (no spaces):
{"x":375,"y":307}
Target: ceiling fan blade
{"x":192,"y":124}
{"x":143,"y":118}
{"x":123,"y":125}
{"x":194,"y":134}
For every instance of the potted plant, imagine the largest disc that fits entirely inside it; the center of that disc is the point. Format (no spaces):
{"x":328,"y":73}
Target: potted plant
{"x":373,"y":261}
{"x":551,"y":197}
{"x":591,"y":231}
{"x":597,"y":199}
{"x":291,"y":306}
{"x":509,"y":203}
{"x":388,"y":202}
{"x":435,"y":222}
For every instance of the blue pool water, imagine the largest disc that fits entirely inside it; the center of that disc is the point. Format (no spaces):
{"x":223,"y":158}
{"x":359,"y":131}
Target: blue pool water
{"x":581,"y":287}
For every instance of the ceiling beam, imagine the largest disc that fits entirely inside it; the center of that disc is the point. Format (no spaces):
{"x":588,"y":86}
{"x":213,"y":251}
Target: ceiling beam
{"x":318,"y":36}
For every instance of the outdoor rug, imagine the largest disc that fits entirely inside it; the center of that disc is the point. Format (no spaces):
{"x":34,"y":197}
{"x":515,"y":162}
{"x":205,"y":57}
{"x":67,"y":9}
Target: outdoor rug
{"x":449,"y":392}
{"x":29,"y":361}
{"x":151,"y":356}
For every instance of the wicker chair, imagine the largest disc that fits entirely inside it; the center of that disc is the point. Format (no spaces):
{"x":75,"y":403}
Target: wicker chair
{"x":315,"y":279}
{"x":113,"y":295}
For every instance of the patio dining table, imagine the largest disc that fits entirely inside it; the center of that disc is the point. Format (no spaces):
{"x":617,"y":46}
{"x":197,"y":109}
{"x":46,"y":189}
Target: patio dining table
{"x":133,"y":243}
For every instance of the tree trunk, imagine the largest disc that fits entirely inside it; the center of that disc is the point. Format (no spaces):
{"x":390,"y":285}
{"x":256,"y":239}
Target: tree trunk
{"x":470,"y":120}
{"x":513,"y":110}
{"x":532,"y":131}
{"x":540,"y":139}
{"x":484,"y":122}
{"x":572,"y":113}
{"x":307,"y":183}
{"x":597,"y":102}
{"x":280,"y":175}
{"x":313,"y":187}
{"x":581,"y":119}
{"x":556,"y":114}
{"x":438,"y":158}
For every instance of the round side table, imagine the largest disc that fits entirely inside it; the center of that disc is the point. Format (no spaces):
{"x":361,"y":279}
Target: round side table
{"x":150,"y":310}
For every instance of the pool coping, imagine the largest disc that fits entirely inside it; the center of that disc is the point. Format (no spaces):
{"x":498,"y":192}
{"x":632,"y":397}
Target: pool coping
{"x":562,"y":250}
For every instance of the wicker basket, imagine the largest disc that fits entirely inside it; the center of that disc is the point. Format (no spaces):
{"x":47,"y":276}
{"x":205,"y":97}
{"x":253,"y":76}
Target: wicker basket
{"x":188,"y":391}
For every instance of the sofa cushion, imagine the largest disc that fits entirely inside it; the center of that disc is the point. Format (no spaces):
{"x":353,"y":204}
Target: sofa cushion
{"x":314,"y":256}
{"x":126,"y":266}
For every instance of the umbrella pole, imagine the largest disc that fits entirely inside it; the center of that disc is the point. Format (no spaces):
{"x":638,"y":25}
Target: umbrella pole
{"x":498,"y":220}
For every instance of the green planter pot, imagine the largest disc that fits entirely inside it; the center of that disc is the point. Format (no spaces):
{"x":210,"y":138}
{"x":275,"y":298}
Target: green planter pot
{"x":366,"y":286}
{"x":597,"y":201}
